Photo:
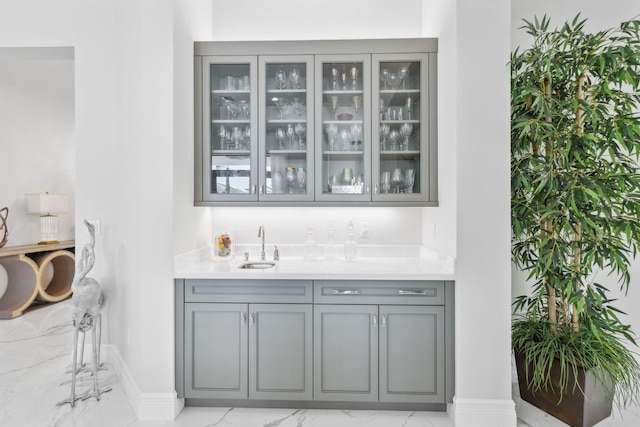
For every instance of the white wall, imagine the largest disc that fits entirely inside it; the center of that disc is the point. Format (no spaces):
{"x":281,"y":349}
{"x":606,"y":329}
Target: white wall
{"x":37,"y":150}
{"x":598,"y":18}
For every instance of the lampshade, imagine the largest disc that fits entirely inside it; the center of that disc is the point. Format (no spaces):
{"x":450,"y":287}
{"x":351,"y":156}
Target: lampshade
{"x":47,"y":204}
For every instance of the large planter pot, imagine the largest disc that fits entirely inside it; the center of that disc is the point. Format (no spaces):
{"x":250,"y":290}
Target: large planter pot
{"x":584,"y":406}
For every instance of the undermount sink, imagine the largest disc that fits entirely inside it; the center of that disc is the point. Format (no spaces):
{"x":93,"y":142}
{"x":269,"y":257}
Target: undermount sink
{"x":257,"y":265}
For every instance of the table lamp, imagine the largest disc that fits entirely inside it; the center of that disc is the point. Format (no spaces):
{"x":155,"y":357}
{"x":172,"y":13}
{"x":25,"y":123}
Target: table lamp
{"x":47,"y":206}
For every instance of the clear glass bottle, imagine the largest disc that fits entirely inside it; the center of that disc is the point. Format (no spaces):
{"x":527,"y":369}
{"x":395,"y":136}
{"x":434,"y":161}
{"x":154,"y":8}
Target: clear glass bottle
{"x":331,"y":252}
{"x":350,"y":246}
{"x":310,"y":247}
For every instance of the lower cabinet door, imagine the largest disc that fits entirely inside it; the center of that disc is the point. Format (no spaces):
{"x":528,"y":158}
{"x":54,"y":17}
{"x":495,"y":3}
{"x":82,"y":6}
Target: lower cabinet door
{"x":280,"y":353}
{"x":346,"y":353}
{"x":412,"y":353}
{"x":216,"y":351}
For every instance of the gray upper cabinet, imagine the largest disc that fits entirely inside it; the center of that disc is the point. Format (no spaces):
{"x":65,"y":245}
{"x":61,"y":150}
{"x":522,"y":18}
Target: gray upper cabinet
{"x":316,"y":123}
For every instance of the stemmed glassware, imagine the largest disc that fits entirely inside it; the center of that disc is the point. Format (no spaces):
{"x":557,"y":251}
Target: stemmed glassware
{"x":245,"y":108}
{"x":236,"y":136}
{"x":385,"y":129}
{"x":294,"y":77}
{"x":356,"y":134}
{"x":334,"y":101}
{"x":335,"y":73}
{"x":344,"y":76}
{"x":332,"y":132}
{"x":290,"y":176}
{"x":406,"y":129}
{"x":300,"y":130}
{"x":280,"y":137}
{"x":384,"y":76}
{"x":280,"y":104}
{"x":409,"y":106}
{"x":356,"y":100}
{"x":382,"y":108}
{"x":297,"y":105}
{"x":409,"y":179}
{"x":394,"y":135}
{"x":247,"y":137}
{"x":281,"y":79}
{"x":393,"y":80}
{"x":353,"y":73}
{"x":301,"y":177}
{"x":291,"y":136}
{"x":222,"y":135}
{"x":402,"y":73}
{"x":397,"y":179}
{"x":385,"y":181}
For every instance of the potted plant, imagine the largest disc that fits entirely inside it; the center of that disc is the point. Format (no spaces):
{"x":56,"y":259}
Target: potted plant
{"x":575,"y":204}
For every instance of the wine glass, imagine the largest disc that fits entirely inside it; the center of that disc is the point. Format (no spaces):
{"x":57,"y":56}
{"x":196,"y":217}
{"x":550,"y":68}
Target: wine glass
{"x":301,"y":177}
{"x":334,"y":101}
{"x":294,"y":77}
{"x":356,"y":134}
{"x":222,"y":134}
{"x":353,"y":73}
{"x":280,"y":79}
{"x":300,"y":130}
{"x":291,"y":136}
{"x":246,"y":134}
{"x":344,"y":138}
{"x":384,"y":76}
{"x":335,"y":73}
{"x":290,"y":176}
{"x":356,"y":100}
{"x":393,"y":80}
{"x":402,"y":73}
{"x":297,"y":105}
{"x":409,"y":179}
{"x":382,"y":108}
{"x":385,"y":181}
{"x":280,"y":137}
{"x":384,"y":133}
{"x":394,"y":135}
{"x":405,"y":130}
{"x":332,"y":132}
{"x":397,"y":178}
{"x":280,"y":104}
{"x":344,"y":76}
{"x":236,"y":136}
{"x":245,"y":108}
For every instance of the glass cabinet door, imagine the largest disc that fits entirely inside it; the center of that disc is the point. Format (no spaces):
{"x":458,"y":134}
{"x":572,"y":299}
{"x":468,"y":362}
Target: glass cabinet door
{"x":343,"y":127}
{"x":229,"y":131}
{"x":286,"y":128}
{"x":400,"y":118}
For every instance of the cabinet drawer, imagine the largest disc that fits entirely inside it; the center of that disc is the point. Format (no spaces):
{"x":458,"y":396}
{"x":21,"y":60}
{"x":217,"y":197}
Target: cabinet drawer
{"x":379,"y":292}
{"x":248,"y":291}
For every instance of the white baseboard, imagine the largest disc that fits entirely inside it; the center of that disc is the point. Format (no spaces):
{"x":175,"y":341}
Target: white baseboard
{"x":483,"y":413}
{"x":147,"y":406}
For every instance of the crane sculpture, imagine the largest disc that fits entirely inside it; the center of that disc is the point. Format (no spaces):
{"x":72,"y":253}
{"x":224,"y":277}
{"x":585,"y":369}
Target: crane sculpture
{"x":86,"y":316}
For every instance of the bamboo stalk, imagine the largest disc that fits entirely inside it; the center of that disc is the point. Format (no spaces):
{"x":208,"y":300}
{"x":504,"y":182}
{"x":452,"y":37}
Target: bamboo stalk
{"x":545,"y":227}
{"x":577,"y":248}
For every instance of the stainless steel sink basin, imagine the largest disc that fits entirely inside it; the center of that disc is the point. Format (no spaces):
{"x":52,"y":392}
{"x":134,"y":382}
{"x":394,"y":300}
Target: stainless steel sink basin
{"x":257,"y":265}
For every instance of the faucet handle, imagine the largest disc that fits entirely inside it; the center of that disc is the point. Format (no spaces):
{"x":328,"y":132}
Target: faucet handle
{"x":276,"y":253}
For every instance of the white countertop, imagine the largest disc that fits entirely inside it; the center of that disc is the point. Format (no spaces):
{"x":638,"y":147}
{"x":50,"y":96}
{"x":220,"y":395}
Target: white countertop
{"x":373,"y":263}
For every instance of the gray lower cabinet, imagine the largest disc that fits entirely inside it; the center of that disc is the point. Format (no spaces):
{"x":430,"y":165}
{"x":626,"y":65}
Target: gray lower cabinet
{"x":255,"y":351}
{"x":323,"y":343}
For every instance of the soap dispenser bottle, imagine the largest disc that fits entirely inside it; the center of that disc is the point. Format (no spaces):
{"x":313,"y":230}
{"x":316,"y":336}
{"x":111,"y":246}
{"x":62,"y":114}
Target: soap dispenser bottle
{"x":310,"y":247}
{"x":350,"y":246}
{"x":331,"y":252}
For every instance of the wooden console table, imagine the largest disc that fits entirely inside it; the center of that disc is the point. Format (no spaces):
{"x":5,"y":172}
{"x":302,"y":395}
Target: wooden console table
{"x":29,"y":269}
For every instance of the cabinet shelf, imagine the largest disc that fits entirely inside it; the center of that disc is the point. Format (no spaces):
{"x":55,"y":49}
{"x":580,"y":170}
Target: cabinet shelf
{"x":343,"y":92}
{"x":390,"y":153}
{"x":242,"y":153}
{"x":286,"y":152}
{"x":230,"y":92}
{"x":231,"y":121}
{"x":399,"y":91}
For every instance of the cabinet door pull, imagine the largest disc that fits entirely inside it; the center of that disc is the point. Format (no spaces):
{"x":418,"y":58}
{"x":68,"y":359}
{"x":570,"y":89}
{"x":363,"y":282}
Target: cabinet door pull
{"x":252,"y":319}
{"x":254,"y":189}
{"x":375,"y":188}
{"x":367,"y":189}
{"x":263,"y":190}
{"x":412,"y":292}
{"x":346,"y":292}
{"x":243,"y":318}
{"x":374,"y":320}
{"x":384,"y":321}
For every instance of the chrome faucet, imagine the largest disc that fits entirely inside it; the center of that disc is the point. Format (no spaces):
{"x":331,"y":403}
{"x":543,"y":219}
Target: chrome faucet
{"x":261,"y":233}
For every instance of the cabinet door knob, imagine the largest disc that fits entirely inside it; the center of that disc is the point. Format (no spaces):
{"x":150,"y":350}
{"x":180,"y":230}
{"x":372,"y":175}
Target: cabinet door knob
{"x":254,"y":188}
{"x":375,"y":189}
{"x":346,"y":292}
{"x":384,"y":321}
{"x":263,"y":189}
{"x":252,"y":319}
{"x":374,"y":320}
{"x":243,"y":318}
{"x":412,"y":291}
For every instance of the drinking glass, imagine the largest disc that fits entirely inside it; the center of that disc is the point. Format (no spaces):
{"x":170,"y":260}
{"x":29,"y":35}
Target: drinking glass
{"x":394,"y":136}
{"x":334,"y":101}
{"x":280,"y":104}
{"x":301,"y":177}
{"x":385,"y":181}
{"x":385,"y":129}
{"x":397,"y":179}
{"x":291,"y":136}
{"x":344,"y":76}
{"x":382,"y":108}
{"x":300,"y":130}
{"x":356,"y":133}
{"x":297,"y":105}
{"x":353,"y":73}
{"x":280,"y":137}
{"x":281,"y":79}
{"x":332,"y":132}
{"x":246,"y":134}
{"x":409,"y":179}
{"x":294,"y":77}
{"x":384,"y":76}
{"x":245,"y":108}
{"x":409,"y":106}
{"x":405,"y":130}
{"x":290,"y":176}
{"x":222,"y":134}
{"x":335,"y":73}
{"x":393,"y":80}
{"x":356,"y":100}
{"x":402,"y":73}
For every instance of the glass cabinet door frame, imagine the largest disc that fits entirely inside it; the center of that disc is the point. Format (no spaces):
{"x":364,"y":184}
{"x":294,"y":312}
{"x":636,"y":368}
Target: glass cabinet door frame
{"x":265,"y":94}
{"x":423,"y":121}
{"x":207,"y":104}
{"x":321,"y":90}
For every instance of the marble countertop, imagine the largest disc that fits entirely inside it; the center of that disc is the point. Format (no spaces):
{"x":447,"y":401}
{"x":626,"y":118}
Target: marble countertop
{"x":373,"y":263}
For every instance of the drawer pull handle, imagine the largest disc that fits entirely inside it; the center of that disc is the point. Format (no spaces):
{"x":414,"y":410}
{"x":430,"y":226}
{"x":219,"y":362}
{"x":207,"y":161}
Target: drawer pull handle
{"x":374,"y":319}
{"x":384,"y":321}
{"x":252,"y":319}
{"x":243,"y":318}
{"x":412,"y":292}
{"x":346,"y":292}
